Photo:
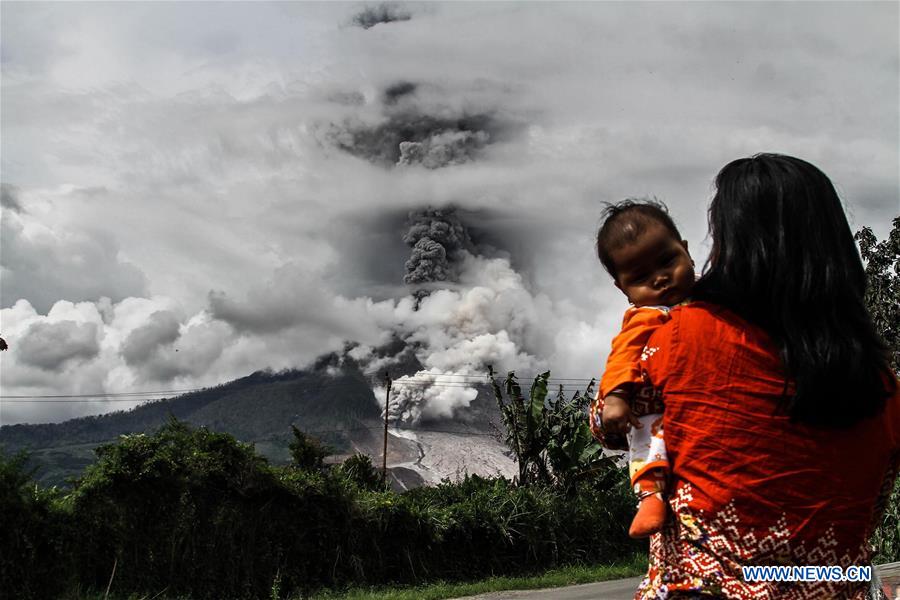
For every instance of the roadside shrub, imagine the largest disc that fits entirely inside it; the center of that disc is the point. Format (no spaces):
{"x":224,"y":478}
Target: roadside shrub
{"x":480,"y":527}
{"x":188,"y":512}
{"x":596,"y":520}
{"x":196,"y":512}
{"x":32,"y":561}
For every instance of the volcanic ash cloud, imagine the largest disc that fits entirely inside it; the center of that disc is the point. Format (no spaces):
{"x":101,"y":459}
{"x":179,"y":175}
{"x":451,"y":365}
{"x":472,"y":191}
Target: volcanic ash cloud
{"x":470,"y":311}
{"x":438,"y":240}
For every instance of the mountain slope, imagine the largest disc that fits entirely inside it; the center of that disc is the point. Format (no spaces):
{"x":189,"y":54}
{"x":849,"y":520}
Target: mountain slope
{"x":327,"y":401}
{"x":332,"y":401}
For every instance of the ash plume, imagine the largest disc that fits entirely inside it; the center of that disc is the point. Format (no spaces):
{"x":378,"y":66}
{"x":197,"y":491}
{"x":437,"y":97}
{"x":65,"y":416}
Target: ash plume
{"x":371,"y":16}
{"x":430,"y":395}
{"x":466,"y":311}
{"x":443,"y":149}
{"x":9,"y":197}
{"x":411,"y":138}
{"x":393,"y":93}
{"x":438,"y":239}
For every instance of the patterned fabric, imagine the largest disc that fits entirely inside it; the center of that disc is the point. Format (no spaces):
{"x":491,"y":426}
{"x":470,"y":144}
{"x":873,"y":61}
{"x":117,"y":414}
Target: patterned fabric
{"x":748,"y":486}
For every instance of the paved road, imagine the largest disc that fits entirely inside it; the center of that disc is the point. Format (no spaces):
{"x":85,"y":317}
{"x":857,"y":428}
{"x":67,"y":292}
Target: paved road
{"x":619,"y":589}
{"x":623,"y":589}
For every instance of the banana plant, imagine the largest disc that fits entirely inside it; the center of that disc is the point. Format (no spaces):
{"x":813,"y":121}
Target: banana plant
{"x":549,"y":437}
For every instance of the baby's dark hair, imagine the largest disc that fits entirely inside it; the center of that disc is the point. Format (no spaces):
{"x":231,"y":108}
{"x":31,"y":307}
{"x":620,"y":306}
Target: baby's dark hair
{"x":624,"y":221}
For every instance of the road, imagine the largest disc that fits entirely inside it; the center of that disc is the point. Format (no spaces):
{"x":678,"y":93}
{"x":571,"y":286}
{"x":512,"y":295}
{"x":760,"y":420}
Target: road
{"x":623,"y":589}
{"x":619,"y":589}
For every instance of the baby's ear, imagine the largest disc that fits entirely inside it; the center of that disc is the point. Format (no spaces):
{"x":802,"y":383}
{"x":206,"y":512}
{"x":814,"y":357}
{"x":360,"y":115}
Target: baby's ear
{"x":684,"y":245}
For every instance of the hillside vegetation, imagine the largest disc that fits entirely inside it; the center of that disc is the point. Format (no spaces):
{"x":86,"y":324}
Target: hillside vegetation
{"x":192,"y":512}
{"x":258,"y":408}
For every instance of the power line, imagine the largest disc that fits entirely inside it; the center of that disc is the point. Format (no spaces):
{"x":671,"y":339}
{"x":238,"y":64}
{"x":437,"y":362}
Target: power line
{"x":409,"y":381}
{"x":282,"y":437}
{"x":110,"y":398}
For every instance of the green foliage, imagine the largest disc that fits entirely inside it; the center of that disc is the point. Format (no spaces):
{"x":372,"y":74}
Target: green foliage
{"x":32,"y":558}
{"x":524,"y":419}
{"x":196,"y":512}
{"x":189,"y":512}
{"x":883,"y":301}
{"x":481,"y":527}
{"x":882,"y":261}
{"x":359,"y":470}
{"x":306,"y":451}
{"x":886,"y":539}
{"x":550,"y":439}
{"x":572,"y":450}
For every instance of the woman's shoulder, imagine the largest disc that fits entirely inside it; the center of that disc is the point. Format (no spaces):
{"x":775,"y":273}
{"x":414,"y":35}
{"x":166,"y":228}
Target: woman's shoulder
{"x":702,"y":310}
{"x":694,"y":326}
{"x":701,"y":315}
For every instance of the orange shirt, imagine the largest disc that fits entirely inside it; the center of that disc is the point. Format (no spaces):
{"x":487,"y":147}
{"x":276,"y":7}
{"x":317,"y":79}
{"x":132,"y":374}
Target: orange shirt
{"x":623,"y":364}
{"x":750,"y":487}
{"x":623,"y":367}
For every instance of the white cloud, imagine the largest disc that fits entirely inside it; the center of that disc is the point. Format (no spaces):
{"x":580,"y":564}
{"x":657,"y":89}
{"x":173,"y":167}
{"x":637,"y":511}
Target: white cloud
{"x":49,"y":345}
{"x":44,"y":265}
{"x":180,"y":160}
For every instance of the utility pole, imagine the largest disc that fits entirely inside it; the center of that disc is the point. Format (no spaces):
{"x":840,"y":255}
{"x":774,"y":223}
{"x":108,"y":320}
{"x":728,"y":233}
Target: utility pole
{"x":387,"y":400}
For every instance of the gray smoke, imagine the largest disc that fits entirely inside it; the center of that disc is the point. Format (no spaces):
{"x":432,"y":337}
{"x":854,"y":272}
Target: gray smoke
{"x":9,"y":197}
{"x":409,"y":138}
{"x":443,"y":149}
{"x":371,"y":16}
{"x":438,"y":240}
{"x":393,"y":93}
{"x":468,"y":310}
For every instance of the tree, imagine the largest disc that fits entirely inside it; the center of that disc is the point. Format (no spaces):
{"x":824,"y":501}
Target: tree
{"x":33,"y":562}
{"x":882,"y":261}
{"x":550,"y":439}
{"x":307,"y":452}
{"x":360,"y":470}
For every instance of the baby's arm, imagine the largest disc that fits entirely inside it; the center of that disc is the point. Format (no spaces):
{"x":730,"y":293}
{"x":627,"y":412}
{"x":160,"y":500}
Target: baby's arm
{"x":622,"y":371}
{"x":617,"y":416}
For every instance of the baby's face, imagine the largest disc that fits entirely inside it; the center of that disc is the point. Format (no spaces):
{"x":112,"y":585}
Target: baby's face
{"x":654,"y":270}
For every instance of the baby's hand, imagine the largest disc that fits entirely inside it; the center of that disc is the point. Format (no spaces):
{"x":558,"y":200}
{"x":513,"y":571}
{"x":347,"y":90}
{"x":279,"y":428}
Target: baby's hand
{"x":617,"y":416}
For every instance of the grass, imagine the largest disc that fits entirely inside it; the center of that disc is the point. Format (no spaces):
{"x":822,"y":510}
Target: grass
{"x":631,"y":567}
{"x":635,"y":565}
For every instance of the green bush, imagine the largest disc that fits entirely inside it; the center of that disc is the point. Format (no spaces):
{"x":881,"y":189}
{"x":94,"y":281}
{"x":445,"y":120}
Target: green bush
{"x":480,"y":527}
{"x":32,"y":558}
{"x":306,"y":451}
{"x":189,"y":512}
{"x":360,"y":471}
{"x":196,"y":512}
{"x":886,"y":539}
{"x":882,"y":260}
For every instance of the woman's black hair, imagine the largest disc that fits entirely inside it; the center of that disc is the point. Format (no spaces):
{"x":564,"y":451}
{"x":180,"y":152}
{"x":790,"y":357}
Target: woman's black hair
{"x":783,"y":258}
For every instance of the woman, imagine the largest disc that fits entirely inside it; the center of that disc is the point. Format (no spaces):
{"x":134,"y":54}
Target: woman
{"x":782,"y":417}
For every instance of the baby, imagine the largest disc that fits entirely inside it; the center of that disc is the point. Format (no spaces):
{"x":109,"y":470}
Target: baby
{"x":641,"y":248}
